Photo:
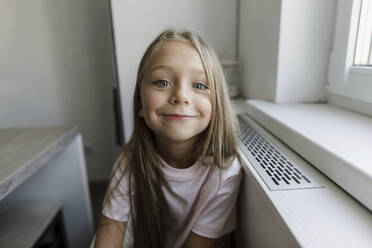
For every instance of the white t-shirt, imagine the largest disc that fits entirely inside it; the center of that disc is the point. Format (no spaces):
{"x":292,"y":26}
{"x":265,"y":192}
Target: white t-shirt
{"x":202,"y":207}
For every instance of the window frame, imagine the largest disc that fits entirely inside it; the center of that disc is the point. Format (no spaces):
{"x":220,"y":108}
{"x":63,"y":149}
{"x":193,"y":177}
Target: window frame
{"x":344,"y":78}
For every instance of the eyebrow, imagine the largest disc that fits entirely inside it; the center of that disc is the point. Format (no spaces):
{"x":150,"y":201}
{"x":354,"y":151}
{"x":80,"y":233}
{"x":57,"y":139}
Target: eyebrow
{"x":169,"y":68}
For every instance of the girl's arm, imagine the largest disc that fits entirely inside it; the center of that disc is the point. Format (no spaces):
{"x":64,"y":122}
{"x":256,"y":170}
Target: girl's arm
{"x":110,"y":233}
{"x":196,"y":241}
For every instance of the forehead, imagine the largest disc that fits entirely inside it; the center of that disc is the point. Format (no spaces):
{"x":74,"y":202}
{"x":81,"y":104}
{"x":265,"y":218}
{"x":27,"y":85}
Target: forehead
{"x":177,"y":54}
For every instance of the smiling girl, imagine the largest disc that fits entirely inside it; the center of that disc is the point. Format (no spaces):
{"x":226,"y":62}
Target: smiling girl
{"x":175,"y":183}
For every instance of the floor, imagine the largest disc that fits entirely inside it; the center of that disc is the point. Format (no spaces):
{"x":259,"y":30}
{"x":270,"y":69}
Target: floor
{"x":97,"y":192}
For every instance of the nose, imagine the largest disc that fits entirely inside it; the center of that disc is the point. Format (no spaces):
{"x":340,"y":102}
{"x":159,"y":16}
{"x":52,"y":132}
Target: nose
{"x":180,"y":95}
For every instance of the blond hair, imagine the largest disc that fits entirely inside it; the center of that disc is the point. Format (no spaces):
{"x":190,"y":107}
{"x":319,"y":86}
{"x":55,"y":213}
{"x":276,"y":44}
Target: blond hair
{"x":145,"y":176}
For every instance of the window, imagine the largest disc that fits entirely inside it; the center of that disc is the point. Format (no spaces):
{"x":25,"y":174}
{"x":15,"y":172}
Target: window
{"x":363,"y":49}
{"x":350,"y":70}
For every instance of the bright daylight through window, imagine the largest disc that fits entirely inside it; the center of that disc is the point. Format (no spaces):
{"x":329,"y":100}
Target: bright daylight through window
{"x":350,"y":68}
{"x":363,"y":51}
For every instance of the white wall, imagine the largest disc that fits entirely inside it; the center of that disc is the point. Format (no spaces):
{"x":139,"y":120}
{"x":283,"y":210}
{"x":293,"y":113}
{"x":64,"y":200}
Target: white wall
{"x":258,"y":46}
{"x":306,"y":32}
{"x":136,"y":23}
{"x":56,"y":69}
{"x":284,"y":49}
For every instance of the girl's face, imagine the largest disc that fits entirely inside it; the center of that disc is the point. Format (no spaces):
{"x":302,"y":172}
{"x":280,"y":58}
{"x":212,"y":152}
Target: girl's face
{"x":175,"y":95}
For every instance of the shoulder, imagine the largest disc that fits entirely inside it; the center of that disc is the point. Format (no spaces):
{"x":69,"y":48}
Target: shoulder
{"x":119,"y":174}
{"x":121,"y":166}
{"x":232,"y":170}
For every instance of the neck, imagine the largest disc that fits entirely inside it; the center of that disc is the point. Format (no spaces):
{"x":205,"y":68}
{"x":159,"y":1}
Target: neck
{"x":177,"y":154}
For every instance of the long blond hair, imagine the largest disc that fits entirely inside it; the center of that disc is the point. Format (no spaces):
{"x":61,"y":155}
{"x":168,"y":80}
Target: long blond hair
{"x":144,"y":168}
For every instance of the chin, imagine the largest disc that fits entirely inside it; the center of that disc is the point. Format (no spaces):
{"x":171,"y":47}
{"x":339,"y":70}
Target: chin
{"x":180,"y":138}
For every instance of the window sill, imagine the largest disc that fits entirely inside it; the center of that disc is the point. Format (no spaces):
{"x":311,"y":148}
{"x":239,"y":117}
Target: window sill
{"x":335,"y":141}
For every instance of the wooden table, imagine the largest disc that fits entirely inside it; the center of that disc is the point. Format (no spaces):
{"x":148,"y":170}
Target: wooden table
{"x":43,"y":173}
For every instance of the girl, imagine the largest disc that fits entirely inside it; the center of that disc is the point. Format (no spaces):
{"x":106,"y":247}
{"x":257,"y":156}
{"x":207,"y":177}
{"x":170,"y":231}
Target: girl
{"x":175,"y":183}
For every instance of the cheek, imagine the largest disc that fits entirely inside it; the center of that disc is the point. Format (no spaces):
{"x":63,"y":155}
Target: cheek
{"x":151,"y":100}
{"x":206,"y":107}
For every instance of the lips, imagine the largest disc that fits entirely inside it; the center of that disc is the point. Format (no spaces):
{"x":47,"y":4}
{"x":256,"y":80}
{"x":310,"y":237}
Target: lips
{"x":177,"y":116}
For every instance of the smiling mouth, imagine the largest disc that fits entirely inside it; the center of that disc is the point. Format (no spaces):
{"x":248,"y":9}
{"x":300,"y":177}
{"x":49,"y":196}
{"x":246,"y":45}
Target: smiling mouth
{"x":177,"y":117}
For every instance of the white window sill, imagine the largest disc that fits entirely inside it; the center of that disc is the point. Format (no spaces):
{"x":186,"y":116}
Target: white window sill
{"x":336,"y":141}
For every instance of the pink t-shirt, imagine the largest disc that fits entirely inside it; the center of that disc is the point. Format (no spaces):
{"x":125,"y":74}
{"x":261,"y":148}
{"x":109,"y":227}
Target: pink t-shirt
{"x":201,"y":206}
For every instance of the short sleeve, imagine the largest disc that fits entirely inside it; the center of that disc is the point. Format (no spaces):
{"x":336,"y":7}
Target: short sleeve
{"x":220,"y":214}
{"x":116,"y":204}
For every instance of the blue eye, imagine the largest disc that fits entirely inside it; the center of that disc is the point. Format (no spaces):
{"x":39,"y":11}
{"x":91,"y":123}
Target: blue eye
{"x":161,"y":83}
{"x":200,"y":86}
